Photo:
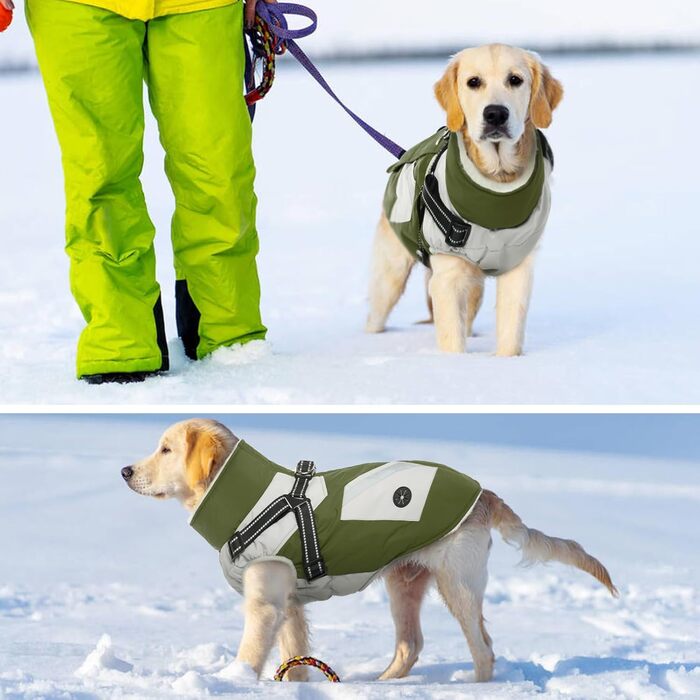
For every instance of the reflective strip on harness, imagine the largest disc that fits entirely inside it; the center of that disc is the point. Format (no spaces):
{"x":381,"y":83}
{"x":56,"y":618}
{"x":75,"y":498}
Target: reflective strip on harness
{"x":455,"y":229}
{"x":295,"y":502}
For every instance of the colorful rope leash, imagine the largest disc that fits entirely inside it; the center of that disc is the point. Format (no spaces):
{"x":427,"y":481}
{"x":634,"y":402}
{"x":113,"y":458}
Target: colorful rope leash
{"x":265,"y":46}
{"x":330,"y":674}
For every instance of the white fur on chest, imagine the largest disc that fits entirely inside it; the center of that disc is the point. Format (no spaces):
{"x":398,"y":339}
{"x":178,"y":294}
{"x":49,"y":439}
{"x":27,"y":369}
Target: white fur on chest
{"x":486,"y":182}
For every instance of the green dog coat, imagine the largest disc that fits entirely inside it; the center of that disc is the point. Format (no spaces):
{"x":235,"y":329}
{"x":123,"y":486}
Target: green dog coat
{"x":504,"y":226}
{"x":366,"y":517}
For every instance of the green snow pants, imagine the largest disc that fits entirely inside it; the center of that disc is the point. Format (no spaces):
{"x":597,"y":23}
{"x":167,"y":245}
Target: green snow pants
{"x":93,"y":63}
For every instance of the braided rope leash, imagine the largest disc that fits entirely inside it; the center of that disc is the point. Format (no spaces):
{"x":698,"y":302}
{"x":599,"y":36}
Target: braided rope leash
{"x":330,"y":674}
{"x":265,"y":46}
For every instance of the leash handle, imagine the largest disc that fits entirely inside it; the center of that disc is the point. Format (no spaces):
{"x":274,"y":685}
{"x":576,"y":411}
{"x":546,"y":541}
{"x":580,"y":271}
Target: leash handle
{"x":274,"y":15}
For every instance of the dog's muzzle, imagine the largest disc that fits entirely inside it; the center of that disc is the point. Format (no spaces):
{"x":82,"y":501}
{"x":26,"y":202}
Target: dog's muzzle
{"x":495,"y":122}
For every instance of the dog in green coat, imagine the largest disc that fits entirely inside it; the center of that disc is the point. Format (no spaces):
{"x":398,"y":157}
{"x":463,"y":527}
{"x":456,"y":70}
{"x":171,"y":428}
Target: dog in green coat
{"x":370,"y":520}
{"x":472,"y":200}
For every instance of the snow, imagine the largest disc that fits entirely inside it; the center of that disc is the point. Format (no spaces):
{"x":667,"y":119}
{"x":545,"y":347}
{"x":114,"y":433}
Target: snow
{"x":611,"y":319}
{"x":387,"y":26}
{"x":108,"y":594}
{"x":102,"y":663}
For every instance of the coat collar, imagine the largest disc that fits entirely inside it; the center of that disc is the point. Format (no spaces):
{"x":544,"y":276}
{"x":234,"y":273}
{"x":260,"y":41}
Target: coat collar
{"x":489,"y":208}
{"x":233,"y":493}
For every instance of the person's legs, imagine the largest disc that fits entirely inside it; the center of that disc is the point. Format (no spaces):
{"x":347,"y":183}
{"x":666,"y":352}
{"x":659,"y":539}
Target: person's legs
{"x":92,"y":65}
{"x":195,"y":71}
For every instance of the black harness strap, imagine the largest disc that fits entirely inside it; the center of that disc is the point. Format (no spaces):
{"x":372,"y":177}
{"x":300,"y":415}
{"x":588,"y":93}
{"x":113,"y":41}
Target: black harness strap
{"x":294,"y":502}
{"x":304,"y":474}
{"x":455,"y":229}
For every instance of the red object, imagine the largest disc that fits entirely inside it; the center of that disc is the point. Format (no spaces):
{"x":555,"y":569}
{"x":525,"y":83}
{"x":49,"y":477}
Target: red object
{"x":5,"y":18}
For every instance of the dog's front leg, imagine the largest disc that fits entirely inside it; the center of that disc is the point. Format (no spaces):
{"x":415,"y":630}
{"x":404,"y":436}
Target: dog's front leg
{"x":268,"y":587}
{"x":451,"y":285}
{"x":512,"y":302}
{"x":294,"y":640}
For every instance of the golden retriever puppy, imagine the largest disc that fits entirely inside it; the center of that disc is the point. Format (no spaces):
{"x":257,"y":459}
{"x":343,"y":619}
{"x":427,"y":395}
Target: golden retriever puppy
{"x":192,"y":454}
{"x":472,"y":200}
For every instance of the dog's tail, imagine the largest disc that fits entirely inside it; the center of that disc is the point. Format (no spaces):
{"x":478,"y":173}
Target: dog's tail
{"x":538,"y":547}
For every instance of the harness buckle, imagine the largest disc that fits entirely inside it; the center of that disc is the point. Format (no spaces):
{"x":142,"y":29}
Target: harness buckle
{"x":320,"y":567}
{"x":295,"y":502}
{"x":236,"y":545}
{"x":459,"y":233}
{"x":306,"y":468}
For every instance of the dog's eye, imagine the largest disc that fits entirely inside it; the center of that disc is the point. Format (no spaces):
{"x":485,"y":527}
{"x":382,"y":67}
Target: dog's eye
{"x":474,"y":83}
{"x":515,"y":81}
{"x":164,"y":450}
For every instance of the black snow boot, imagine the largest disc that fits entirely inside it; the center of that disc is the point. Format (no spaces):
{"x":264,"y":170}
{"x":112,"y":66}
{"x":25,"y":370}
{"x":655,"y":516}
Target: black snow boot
{"x":118,"y":377}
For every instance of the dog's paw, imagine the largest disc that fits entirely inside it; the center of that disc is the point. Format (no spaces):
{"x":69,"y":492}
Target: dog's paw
{"x":239,"y":671}
{"x":455,"y":347}
{"x":373,"y":326}
{"x":509,"y":352}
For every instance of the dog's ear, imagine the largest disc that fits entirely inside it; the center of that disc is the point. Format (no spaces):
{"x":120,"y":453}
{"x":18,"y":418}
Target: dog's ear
{"x":446,"y":94}
{"x":203,"y":450}
{"x":547,"y":93}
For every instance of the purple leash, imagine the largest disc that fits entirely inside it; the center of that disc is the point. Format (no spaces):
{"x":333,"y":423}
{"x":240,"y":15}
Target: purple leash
{"x":274,"y":15}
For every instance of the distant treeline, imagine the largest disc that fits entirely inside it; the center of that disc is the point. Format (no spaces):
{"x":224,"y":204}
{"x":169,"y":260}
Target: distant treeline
{"x":14,"y":66}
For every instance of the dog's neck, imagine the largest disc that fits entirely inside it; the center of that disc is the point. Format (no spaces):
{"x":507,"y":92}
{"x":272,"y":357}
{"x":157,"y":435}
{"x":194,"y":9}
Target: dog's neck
{"x":192,"y":500}
{"x":502,"y":161}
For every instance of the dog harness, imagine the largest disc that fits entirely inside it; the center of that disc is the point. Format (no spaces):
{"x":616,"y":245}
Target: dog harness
{"x":434,"y":206}
{"x":337,"y":529}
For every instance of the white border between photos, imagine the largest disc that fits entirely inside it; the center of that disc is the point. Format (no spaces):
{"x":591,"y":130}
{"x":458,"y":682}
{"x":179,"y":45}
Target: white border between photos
{"x":193,"y":409}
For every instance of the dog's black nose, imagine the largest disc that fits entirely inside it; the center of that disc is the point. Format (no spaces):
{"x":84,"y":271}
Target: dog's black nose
{"x":496,"y":115}
{"x":127,"y":473}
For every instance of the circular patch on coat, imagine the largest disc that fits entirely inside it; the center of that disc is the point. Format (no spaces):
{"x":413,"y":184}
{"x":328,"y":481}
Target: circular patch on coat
{"x":402,"y":496}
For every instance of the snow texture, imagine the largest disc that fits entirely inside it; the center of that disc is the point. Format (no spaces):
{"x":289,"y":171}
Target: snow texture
{"x":106,"y":594}
{"x":611,"y":317}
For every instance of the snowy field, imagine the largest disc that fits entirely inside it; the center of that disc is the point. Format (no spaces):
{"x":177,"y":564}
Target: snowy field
{"x":389,"y":26}
{"x":105,"y":594}
{"x":613,"y":319}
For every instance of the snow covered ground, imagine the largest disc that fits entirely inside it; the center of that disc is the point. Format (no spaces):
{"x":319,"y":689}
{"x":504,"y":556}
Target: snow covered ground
{"x":105,"y":594}
{"x":613,"y":317}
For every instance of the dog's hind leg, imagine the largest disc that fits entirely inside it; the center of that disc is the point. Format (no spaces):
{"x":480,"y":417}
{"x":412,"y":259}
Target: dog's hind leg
{"x":463,"y":593}
{"x":512,"y":301}
{"x":294,"y":640}
{"x":391,"y":266}
{"x":406,"y":586}
{"x":429,"y":301}
{"x":268,"y":589}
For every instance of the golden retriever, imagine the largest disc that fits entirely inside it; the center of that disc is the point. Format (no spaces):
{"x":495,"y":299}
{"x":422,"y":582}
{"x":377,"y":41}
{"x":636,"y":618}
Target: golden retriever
{"x":479,"y":82}
{"x":187,"y":459}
